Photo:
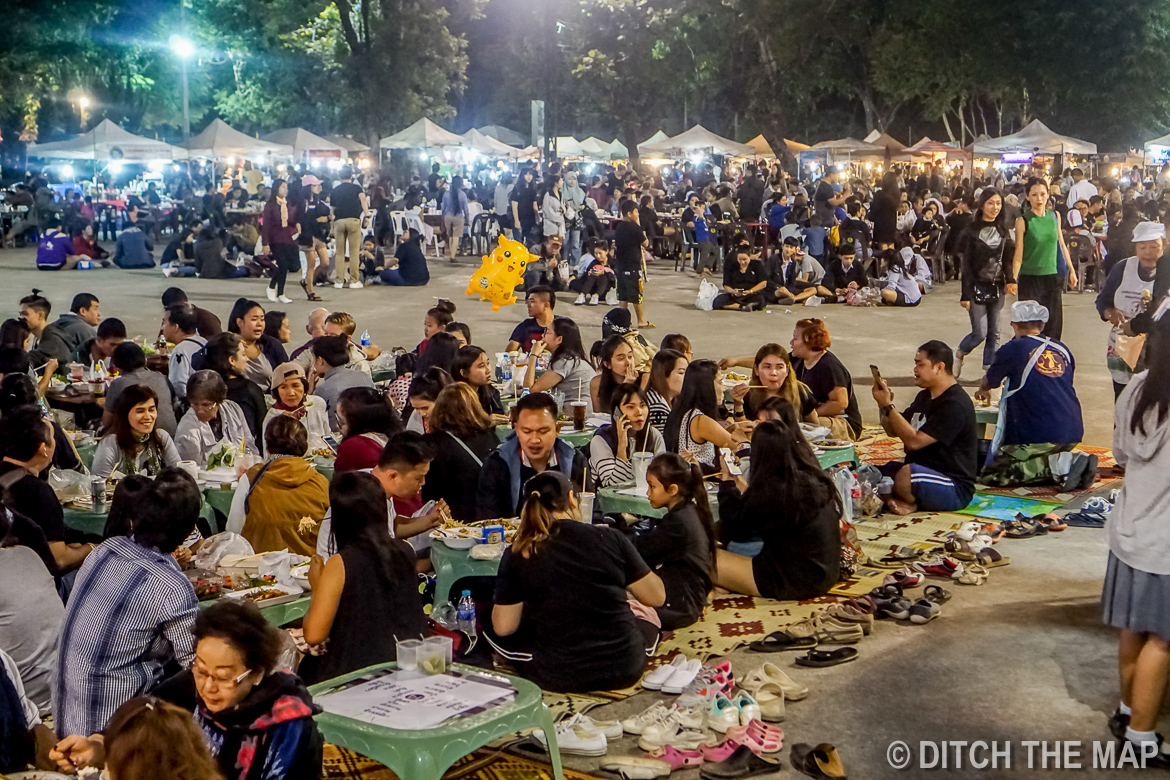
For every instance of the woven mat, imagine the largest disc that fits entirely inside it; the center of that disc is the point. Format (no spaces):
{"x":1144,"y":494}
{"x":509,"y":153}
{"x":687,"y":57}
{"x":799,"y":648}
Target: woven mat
{"x":483,"y":764}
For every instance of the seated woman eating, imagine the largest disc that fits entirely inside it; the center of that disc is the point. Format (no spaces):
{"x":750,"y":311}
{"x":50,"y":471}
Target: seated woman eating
{"x":680,"y":546}
{"x":280,"y":503}
{"x":226,"y":355}
{"x":257,"y":719}
{"x":210,"y":418}
{"x":365,"y":599}
{"x":367,"y":420}
{"x":134,"y":445}
{"x":471,"y":366}
{"x":461,"y":436}
{"x":289,"y":388}
{"x":773,"y":377}
{"x":569,"y":371}
{"x":793,"y":506}
{"x":424,"y":391}
{"x":554,"y":561}
{"x":693,"y":429}
{"x":612,"y":449}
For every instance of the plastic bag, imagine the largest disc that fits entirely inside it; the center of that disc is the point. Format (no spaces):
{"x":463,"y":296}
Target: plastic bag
{"x":214,"y":548}
{"x":707,"y":293}
{"x":865,"y":296}
{"x":68,"y":484}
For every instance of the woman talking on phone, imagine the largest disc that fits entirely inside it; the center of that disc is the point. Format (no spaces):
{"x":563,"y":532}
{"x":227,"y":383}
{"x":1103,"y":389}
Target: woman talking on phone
{"x":611,"y":452}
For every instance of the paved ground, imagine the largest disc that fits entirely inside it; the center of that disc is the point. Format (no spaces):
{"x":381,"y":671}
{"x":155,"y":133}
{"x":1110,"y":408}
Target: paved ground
{"x":1021,"y":658}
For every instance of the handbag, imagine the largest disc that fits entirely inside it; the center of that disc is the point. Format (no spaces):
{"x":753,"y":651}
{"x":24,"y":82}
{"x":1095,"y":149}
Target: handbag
{"x":984,"y":293}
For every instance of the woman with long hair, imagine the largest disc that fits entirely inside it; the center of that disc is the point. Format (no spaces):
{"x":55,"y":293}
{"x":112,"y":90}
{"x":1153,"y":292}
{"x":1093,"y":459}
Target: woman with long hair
{"x":226,"y":354}
{"x":314,"y":233}
{"x":614,"y":359}
{"x":885,"y":212}
{"x":1040,"y":262}
{"x":612,"y":449}
{"x":134,"y":445}
{"x":772,"y":377}
{"x":367,"y":420}
{"x":461,"y":435}
{"x":680,"y":546}
{"x":555,"y":560}
{"x":262,"y":351}
{"x":471,"y":366}
{"x":1137,"y":579}
{"x":793,"y":506}
{"x":552,"y":210}
{"x":455,"y":215}
{"x":667,"y":370}
{"x":278,"y":224}
{"x":424,"y":391}
{"x":365,"y":599}
{"x":148,"y":738}
{"x":569,"y":370}
{"x":692,"y":429}
{"x":986,"y":245}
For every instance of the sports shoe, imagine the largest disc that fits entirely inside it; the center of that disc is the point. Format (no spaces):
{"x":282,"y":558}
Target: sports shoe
{"x":846,"y":612}
{"x":284,"y":299}
{"x":904,"y":578}
{"x":580,"y":300}
{"x":958,"y":363}
{"x":710,"y":681}
{"x":356,"y":285}
{"x":338,"y":285}
{"x":747,"y":707}
{"x":610,"y":729}
{"x":636,"y":767}
{"x":924,"y":611}
{"x":655,"y":712}
{"x":167,"y":271}
{"x":693,"y":717}
{"x":594,"y":300}
{"x":722,"y":714}
{"x":655,"y":679}
{"x":939,"y":566}
{"x":683,"y":676}
{"x":271,"y":294}
{"x":1118,"y":723}
{"x":574,"y":739}
{"x":670,"y":732}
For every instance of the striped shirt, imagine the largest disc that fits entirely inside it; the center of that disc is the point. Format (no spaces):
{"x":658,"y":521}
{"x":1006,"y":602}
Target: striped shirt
{"x":130,"y":613}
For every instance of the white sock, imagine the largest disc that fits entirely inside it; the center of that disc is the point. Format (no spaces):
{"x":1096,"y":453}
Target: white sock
{"x":1124,"y":709}
{"x":1140,"y":736}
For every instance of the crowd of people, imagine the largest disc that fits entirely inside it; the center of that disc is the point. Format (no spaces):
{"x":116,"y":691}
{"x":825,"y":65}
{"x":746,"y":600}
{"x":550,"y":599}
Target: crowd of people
{"x":439,"y":442}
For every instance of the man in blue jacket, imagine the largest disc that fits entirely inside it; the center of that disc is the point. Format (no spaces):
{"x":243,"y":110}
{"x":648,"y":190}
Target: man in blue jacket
{"x":134,"y":245}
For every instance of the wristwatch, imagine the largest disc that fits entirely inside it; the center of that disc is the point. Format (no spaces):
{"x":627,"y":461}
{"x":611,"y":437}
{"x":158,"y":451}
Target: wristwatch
{"x":885,"y":410}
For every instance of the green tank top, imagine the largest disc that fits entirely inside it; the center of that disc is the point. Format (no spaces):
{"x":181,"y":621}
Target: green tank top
{"x":1040,"y":244}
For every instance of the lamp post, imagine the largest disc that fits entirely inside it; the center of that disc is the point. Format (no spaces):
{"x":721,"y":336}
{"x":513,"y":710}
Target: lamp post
{"x":184,"y":50}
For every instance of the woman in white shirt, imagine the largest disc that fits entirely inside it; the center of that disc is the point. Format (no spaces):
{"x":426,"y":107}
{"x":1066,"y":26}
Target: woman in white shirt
{"x":552,"y":211}
{"x":210,"y":419}
{"x":134,"y":445}
{"x":569,"y":371}
{"x":612,"y":449}
{"x":289,"y":390}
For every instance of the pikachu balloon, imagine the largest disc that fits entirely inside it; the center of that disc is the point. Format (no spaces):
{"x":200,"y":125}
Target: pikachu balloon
{"x":501,"y":272}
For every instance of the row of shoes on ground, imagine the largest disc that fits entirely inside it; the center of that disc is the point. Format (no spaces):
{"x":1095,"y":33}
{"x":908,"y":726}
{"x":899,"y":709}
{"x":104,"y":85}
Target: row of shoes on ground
{"x":730,"y":761}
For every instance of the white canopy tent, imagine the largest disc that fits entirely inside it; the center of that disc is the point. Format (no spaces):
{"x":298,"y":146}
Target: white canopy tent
{"x":1036,"y":138}
{"x":849,"y":147}
{"x":107,"y":141}
{"x":618,"y":150}
{"x":656,"y":138}
{"x":697,"y":140}
{"x":302,"y":141}
{"x":220,"y":140}
{"x":1158,"y":148}
{"x":596,"y":149}
{"x":348,"y":144}
{"x":568,"y":146}
{"x":504,"y":135}
{"x":423,"y":134}
{"x":488,"y":146}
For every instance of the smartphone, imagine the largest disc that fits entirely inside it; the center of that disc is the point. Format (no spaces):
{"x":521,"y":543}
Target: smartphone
{"x":877,"y":375}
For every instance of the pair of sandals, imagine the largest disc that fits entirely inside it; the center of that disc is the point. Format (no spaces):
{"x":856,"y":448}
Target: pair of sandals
{"x":1027,"y":527}
{"x":311,"y":295}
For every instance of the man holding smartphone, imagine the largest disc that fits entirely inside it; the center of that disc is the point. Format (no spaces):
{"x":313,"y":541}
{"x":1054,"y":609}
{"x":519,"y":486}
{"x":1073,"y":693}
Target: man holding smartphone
{"x":938,"y":432}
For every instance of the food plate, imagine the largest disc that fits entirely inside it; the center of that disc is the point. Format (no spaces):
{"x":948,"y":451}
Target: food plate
{"x":300,"y":575}
{"x":260,"y":597}
{"x":37,"y":775}
{"x":834,"y":444}
{"x":457,"y":538}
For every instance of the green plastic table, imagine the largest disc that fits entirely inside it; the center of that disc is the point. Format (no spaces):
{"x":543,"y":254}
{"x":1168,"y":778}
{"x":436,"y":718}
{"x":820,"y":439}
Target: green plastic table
{"x":277,"y":614}
{"x":427,"y":753}
{"x":93,"y":522}
{"x":86,"y":452}
{"x":453,"y":565}
{"x":219,"y":499}
{"x":985,"y":416}
{"x":383,"y":375}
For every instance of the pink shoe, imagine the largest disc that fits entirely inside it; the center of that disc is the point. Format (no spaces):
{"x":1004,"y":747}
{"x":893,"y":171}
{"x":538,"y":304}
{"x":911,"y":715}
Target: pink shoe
{"x":720,"y":752}
{"x":759,"y":740}
{"x":679,"y":759}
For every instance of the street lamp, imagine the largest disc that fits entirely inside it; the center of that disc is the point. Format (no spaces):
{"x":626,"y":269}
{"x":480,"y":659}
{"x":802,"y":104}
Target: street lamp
{"x":184,"y":50}
{"x":83,"y":110}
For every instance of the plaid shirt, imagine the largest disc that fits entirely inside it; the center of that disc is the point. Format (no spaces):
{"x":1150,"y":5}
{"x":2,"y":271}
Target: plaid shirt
{"x":131,"y":611}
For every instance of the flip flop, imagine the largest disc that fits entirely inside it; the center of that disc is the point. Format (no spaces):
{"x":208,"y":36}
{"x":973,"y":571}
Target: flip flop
{"x":1052,"y":521}
{"x":824,"y":658}
{"x":648,"y":325}
{"x":821,"y":761}
{"x":1023,"y":528}
{"x":989,"y":558}
{"x":936,"y":594}
{"x":973,"y":575}
{"x":778,"y":641}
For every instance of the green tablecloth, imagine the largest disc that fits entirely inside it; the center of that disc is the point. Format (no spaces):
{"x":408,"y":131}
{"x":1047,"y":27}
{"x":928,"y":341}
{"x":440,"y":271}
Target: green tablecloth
{"x":86,"y":452}
{"x":94,"y":523}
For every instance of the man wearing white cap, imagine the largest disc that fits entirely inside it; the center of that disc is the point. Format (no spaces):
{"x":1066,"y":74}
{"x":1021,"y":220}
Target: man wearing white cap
{"x":1039,"y":414}
{"x":1125,"y":294}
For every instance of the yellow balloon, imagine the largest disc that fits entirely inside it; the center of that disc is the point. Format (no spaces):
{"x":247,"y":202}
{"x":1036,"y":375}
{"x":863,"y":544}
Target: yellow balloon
{"x":501,"y":272}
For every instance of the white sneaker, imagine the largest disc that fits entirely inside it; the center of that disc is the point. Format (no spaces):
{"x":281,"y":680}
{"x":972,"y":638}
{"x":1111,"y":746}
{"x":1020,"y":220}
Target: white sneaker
{"x":636,"y":767}
{"x":593,"y":300}
{"x":167,"y":271}
{"x":749,"y":709}
{"x":654,"y":680}
{"x":580,"y":300}
{"x":574,"y":739}
{"x":284,"y":299}
{"x":673,"y":734}
{"x":610,"y":729}
{"x":356,"y":285}
{"x":682,"y":677}
{"x":658,"y":733}
{"x":338,"y":285}
{"x":958,"y":363}
{"x":271,"y":294}
{"x":655,"y":712}
{"x":693,"y":717}
{"x":723,"y":714}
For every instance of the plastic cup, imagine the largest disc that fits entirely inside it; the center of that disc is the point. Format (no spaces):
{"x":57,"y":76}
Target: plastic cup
{"x":407,"y":652}
{"x":432,"y":657}
{"x":586,"y":502}
{"x":641,"y":461}
{"x":440,"y":643}
{"x":578,"y":408}
{"x":191,"y":467}
{"x":76,"y":372}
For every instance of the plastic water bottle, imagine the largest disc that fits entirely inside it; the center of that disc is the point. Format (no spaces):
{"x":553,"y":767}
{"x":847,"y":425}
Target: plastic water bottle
{"x":466,"y":612}
{"x":365,"y":342}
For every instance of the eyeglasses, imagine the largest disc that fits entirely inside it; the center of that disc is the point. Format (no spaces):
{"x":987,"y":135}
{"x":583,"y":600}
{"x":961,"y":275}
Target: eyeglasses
{"x":202,"y":678}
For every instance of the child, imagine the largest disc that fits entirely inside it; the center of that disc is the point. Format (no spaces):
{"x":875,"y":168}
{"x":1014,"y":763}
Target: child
{"x":680,"y":546}
{"x":373,"y":259}
{"x":594,"y":276}
{"x":438,"y":318}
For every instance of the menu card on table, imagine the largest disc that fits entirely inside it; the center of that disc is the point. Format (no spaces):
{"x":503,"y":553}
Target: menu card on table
{"x":413,"y":701}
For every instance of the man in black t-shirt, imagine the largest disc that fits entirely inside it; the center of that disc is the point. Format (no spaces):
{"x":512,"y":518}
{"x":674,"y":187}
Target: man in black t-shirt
{"x":826,"y":199}
{"x":629,"y":240}
{"x":938,"y":432}
{"x":827,"y":378}
{"x":349,"y":203}
{"x":540,"y":301}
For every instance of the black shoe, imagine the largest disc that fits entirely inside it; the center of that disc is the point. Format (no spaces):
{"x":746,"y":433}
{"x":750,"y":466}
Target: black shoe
{"x":1118,"y":723}
{"x":1090,"y":475}
{"x":1076,"y":472}
{"x":1160,"y":760}
{"x":742,"y":763}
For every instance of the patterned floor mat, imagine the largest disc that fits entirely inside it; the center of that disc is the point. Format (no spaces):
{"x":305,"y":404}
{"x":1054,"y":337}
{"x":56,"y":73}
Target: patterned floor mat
{"x":483,"y":764}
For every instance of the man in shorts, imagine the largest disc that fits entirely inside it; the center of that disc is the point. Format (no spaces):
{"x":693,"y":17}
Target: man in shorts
{"x":938,"y":432}
{"x":630,"y":240}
